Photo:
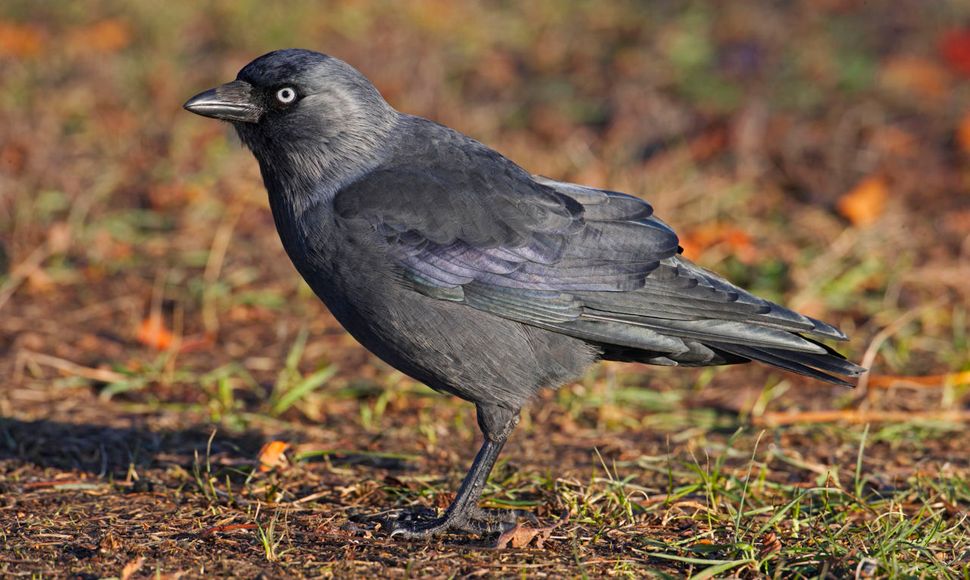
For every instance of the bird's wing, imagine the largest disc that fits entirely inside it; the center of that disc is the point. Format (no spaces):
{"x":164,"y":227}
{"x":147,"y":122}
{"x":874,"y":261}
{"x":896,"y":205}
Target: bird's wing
{"x":590,"y":263}
{"x":495,"y":234}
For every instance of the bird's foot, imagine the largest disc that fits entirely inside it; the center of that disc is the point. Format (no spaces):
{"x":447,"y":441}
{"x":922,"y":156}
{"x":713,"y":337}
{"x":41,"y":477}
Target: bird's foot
{"x":478,"y":521}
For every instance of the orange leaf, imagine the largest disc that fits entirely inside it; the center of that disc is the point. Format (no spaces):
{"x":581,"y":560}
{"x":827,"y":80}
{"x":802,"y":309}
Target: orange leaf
{"x":19,"y":40}
{"x":271,"y":455}
{"x":106,"y":36}
{"x":864,"y":203}
{"x":152,"y":332}
{"x":955,"y":49}
{"x":736,"y":240}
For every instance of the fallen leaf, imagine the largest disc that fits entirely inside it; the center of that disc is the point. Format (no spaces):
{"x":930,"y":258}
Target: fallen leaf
{"x":518,"y":537}
{"x":769,"y":544}
{"x":737,"y":241}
{"x":955,"y":48}
{"x":152,"y":332}
{"x":521,"y":535}
{"x":863,"y":204}
{"x":271,"y":455}
{"x":19,"y":40}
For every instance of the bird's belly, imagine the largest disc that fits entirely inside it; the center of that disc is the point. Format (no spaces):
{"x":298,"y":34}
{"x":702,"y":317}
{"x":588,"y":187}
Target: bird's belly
{"x":449,"y":346}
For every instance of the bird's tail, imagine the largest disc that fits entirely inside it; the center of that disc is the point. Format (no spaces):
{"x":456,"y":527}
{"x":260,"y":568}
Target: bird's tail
{"x":828,"y":367}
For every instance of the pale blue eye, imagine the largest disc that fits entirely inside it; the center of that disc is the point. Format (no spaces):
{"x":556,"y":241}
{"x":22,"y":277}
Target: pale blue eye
{"x":286,"y":95}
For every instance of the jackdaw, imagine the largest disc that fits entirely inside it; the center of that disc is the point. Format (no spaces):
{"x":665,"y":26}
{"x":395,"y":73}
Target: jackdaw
{"x":470,"y":274}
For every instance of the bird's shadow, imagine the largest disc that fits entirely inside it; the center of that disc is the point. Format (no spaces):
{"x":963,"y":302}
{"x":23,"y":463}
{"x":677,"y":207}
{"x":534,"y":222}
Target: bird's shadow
{"x":104,"y":450}
{"x":111,"y":451}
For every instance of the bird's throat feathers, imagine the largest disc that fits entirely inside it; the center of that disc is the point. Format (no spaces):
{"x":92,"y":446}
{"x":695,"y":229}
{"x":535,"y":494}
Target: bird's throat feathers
{"x":301,"y":169}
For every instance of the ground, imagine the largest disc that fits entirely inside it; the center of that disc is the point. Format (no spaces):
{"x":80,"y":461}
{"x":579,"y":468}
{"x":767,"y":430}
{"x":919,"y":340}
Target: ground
{"x":176,"y":403}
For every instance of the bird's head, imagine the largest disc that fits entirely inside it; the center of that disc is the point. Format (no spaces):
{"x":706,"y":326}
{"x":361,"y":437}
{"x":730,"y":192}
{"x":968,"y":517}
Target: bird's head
{"x":299,"y":106}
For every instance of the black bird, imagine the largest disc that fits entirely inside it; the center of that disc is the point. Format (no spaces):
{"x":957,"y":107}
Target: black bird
{"x":466,"y":272}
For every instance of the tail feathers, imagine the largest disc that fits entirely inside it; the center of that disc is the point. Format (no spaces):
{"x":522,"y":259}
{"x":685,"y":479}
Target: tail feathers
{"x":818,"y":366}
{"x":826,"y":330}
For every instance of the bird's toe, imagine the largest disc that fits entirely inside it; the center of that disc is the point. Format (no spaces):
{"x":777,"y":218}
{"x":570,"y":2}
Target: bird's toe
{"x":478,"y":521}
{"x":418,"y":530}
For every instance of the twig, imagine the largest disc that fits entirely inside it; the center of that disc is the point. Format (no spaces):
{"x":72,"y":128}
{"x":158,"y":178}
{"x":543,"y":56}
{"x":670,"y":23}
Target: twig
{"x":66,"y":366}
{"x":856,"y":417}
{"x":213,"y":267}
{"x":24,"y":270}
{"x":919,"y":382}
{"x":881,"y":337}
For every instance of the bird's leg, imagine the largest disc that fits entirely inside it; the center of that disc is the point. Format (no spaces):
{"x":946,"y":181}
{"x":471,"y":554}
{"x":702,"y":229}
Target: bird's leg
{"x":464,"y":515}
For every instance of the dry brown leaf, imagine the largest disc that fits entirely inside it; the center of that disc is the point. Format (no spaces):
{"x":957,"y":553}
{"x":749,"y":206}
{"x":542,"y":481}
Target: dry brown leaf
{"x":20,"y":40}
{"x":271,"y":455}
{"x":864,"y":203}
{"x":769,"y":544}
{"x":521,"y":535}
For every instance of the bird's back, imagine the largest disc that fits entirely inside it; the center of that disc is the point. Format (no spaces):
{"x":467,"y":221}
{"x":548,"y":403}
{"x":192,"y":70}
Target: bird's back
{"x":452,"y":348}
{"x":459,"y":268}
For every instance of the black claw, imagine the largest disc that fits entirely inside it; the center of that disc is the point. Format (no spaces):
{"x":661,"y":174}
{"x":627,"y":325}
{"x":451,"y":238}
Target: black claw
{"x":477,"y":522}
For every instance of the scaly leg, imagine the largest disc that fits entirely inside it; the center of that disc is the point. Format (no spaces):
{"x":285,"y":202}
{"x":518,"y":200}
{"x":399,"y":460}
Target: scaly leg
{"x":464,"y":515}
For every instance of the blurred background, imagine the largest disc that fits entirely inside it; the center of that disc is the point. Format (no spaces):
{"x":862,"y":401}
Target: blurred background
{"x":815,"y":152}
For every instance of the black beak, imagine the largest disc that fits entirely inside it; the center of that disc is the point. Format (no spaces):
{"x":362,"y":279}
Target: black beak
{"x":229,"y":102}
